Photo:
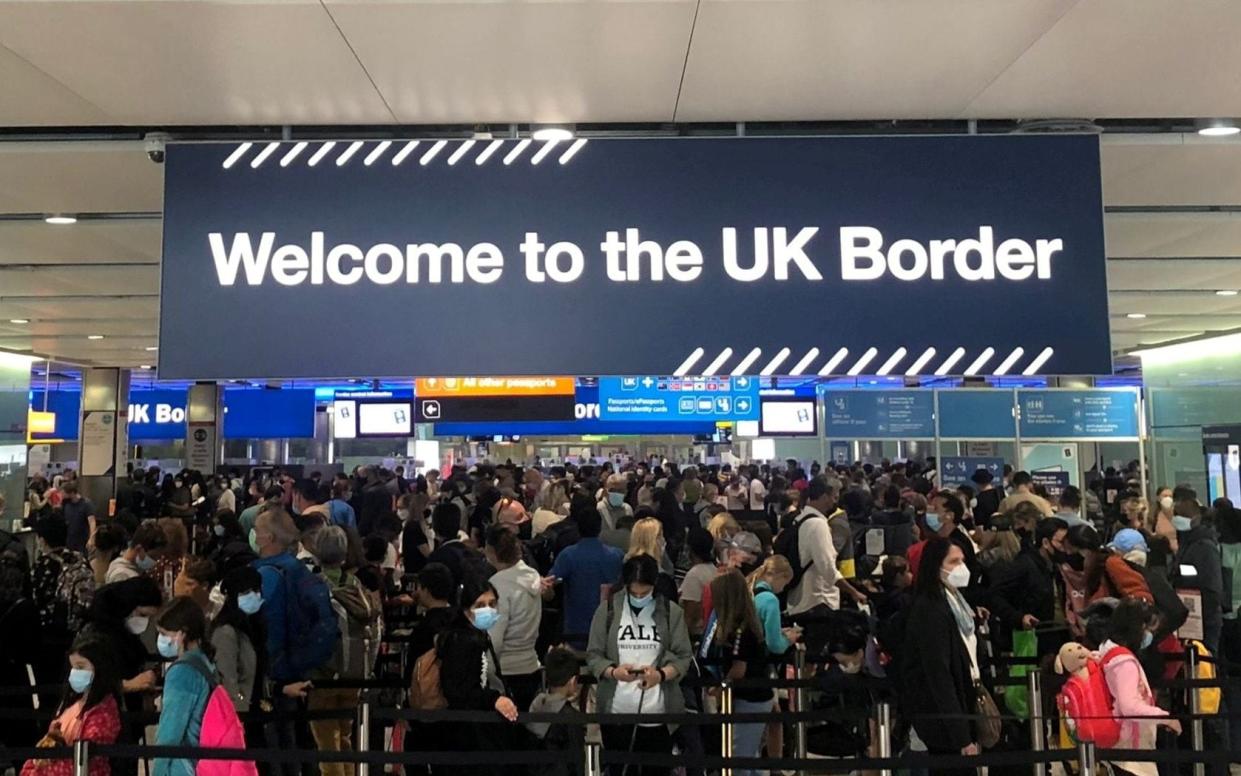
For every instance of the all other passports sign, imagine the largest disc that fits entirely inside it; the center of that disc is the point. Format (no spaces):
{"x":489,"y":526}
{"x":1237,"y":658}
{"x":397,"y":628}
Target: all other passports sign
{"x":877,"y":255}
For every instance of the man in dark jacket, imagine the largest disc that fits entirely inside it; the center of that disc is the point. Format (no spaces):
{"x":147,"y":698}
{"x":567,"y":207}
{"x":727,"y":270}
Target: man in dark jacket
{"x":1023,"y":592}
{"x":1198,"y":549}
{"x":987,"y":502}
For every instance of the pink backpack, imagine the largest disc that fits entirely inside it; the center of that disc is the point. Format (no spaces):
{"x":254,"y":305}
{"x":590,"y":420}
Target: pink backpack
{"x":221,"y":729}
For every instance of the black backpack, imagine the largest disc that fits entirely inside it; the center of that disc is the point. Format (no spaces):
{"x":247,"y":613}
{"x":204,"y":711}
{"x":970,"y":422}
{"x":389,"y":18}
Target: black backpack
{"x":788,"y":544}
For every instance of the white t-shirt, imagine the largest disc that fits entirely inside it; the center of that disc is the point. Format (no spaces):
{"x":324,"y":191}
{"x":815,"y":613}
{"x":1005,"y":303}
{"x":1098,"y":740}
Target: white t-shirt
{"x":758,"y":495}
{"x":737,"y":496}
{"x":696,"y":581}
{"x":637,"y":644}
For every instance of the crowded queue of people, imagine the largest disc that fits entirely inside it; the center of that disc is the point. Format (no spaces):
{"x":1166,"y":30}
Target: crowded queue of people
{"x":497,"y":588}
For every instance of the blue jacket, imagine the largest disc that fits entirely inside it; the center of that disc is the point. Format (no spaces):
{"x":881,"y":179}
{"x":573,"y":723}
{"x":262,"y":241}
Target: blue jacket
{"x":186,"y":693}
{"x":281,"y":574}
{"x":342,"y":514}
{"x":584,"y":567}
{"x":768,"y":607}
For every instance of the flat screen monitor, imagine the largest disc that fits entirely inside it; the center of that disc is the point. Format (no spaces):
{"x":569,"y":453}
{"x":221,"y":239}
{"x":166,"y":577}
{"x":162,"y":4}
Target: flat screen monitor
{"x":345,"y":419}
{"x":796,"y":417}
{"x":386,"y":419}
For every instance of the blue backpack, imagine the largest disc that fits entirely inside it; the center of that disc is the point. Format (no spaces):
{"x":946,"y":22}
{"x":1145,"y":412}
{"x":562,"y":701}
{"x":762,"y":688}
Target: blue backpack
{"x":310,"y":624}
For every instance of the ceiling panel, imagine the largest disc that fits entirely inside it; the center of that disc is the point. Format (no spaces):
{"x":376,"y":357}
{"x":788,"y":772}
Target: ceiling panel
{"x":1176,"y":304}
{"x":28,"y":96}
{"x":573,"y":60}
{"x":1193,"y":172}
{"x":83,"y":280}
{"x":1125,"y":58}
{"x":1173,"y":234}
{"x":35,"y":242}
{"x":853,"y":59}
{"x":50,"y":308}
{"x":160,"y":62}
{"x":1171,"y":275}
{"x":56,"y":178}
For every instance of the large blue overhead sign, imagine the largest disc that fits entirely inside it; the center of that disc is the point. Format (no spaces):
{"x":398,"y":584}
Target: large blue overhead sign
{"x":880,"y":414}
{"x":975,"y":413}
{"x":284,"y":245}
{"x":1066,"y":415}
{"x":678,"y":400}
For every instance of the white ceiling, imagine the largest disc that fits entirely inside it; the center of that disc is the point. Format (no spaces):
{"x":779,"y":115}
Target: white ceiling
{"x":166,"y":63}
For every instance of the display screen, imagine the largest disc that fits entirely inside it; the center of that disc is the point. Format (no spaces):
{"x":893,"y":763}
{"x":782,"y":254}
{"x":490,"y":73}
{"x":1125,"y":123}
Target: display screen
{"x":385,"y":419}
{"x":346,"y":419}
{"x":789,"y":418}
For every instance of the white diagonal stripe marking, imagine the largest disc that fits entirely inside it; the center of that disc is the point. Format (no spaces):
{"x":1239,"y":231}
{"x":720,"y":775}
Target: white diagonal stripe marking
{"x":688,"y":363}
{"x":805,"y":362}
{"x":718,"y":363}
{"x":775,"y":363}
{"x":323,"y":151}
{"x":461,"y":151}
{"x":544,"y":151}
{"x":432,"y":151}
{"x":980,"y":362}
{"x":866,"y":358}
{"x":488,"y":151}
{"x":293,"y":153}
{"x":573,"y":149}
{"x":344,"y":158}
{"x":237,"y":153}
{"x":1038,"y":362}
{"x":378,"y":151}
{"x":521,"y":146}
{"x":922,"y":361}
{"x":267,"y":151}
{"x":834,"y":362}
{"x":1008,"y":363}
{"x":891,"y":363}
{"x":748,"y":361}
{"x":404,"y":153}
{"x":947,"y":366}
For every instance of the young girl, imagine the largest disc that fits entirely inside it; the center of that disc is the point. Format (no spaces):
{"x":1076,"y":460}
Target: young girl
{"x":735,"y":635}
{"x":187,"y":686}
{"x":89,"y":711}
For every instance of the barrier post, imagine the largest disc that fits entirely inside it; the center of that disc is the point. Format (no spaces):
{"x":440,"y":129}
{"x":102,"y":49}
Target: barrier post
{"x":81,"y":758}
{"x":726,"y":739}
{"x":364,"y":735}
{"x":1038,"y":733}
{"x":1086,"y":758}
{"x":1196,"y":732}
{"x":593,"y":768}
{"x":800,"y":699}
{"x":883,"y":731}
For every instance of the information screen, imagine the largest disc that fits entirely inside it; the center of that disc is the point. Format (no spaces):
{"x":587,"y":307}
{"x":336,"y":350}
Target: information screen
{"x":346,"y":416}
{"x":385,"y":419}
{"x":789,"y":418}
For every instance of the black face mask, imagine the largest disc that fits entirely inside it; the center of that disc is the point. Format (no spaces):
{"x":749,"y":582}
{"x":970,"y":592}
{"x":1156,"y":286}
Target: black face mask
{"x":1076,"y":562}
{"x":1060,"y":556}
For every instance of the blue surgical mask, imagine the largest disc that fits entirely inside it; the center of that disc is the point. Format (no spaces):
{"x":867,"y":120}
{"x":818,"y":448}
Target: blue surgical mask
{"x":167,"y":646}
{"x":219,"y":530}
{"x":485,"y":618}
{"x":254,"y":540}
{"x":1147,"y":638}
{"x":1182,"y":523}
{"x":250,"y":602}
{"x":616,"y":499}
{"x":145,"y":563}
{"x":933,"y":521}
{"x":80,"y":679}
{"x":641,"y":602}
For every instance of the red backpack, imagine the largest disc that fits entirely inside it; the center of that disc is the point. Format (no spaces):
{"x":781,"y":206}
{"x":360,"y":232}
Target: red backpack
{"x":1086,"y":703}
{"x":221,"y":729}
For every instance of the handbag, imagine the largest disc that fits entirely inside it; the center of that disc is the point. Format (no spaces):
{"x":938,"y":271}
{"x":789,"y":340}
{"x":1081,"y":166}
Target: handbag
{"x":988,"y":720}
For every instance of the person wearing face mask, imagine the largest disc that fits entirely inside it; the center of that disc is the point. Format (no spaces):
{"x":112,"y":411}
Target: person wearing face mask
{"x":1091,"y":572}
{"x":647,"y":538}
{"x":88,"y":710}
{"x":139,"y":559}
{"x":613,"y":507}
{"x":187,"y":683}
{"x":1023,"y":592}
{"x":341,"y":510}
{"x":471,"y":678}
{"x":1199,"y":566}
{"x":639,"y":649}
{"x":520,"y":613}
{"x":988,"y":498}
{"x":1128,"y":634}
{"x":938,"y":658}
{"x":942,"y":521}
{"x":237,"y":637}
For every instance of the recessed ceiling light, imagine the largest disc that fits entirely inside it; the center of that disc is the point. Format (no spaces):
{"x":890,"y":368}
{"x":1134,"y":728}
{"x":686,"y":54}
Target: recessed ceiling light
{"x":1218,"y":128}
{"x":61,"y":220}
{"x":152,"y":349}
{"x":1226,"y":292}
{"x":551,"y":132}
{"x":94,"y":336}
{"x":145,"y":366}
{"x":1136,"y":316}
{"x":19,"y":321}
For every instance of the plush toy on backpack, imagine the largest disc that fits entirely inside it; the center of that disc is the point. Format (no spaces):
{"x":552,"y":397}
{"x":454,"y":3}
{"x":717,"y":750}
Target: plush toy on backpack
{"x":1085,"y":702}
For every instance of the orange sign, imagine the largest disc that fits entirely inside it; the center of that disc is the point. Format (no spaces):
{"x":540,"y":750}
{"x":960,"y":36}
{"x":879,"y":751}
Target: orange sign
{"x":444,"y":387}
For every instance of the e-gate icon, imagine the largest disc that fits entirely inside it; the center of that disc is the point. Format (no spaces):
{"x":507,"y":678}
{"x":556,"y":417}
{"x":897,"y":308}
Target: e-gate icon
{"x":705,"y":405}
{"x":686,"y":406}
{"x":723,"y":405}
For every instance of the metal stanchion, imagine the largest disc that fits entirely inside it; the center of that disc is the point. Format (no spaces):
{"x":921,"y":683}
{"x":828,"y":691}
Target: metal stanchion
{"x":593,"y":767}
{"x":1038,"y":733}
{"x":1196,"y":731}
{"x":883,"y":725}
{"x":726,"y":739}
{"x":81,"y":758}
{"x":364,"y":735}
{"x":1086,"y":758}
{"x":799,"y":700}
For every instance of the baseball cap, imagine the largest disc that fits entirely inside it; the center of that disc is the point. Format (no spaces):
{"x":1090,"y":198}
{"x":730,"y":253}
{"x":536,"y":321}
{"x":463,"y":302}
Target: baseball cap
{"x":1128,"y":540}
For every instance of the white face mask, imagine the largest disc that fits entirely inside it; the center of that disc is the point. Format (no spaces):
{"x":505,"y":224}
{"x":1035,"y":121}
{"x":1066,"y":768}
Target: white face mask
{"x":958,"y":577}
{"x":1165,"y":503}
{"x":137,"y":624}
{"x":851,"y":668}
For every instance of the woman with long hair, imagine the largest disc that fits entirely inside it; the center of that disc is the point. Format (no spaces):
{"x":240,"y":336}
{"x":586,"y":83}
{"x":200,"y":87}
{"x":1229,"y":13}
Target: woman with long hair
{"x":939,"y":665}
{"x":187,"y":684}
{"x":735,"y":635}
{"x":88,"y":711}
{"x":647,"y":538}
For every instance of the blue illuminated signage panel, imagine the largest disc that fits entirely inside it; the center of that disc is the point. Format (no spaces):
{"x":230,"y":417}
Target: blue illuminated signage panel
{"x":677,"y":399}
{"x":1066,"y":415}
{"x":880,"y":414}
{"x":262,"y":246}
